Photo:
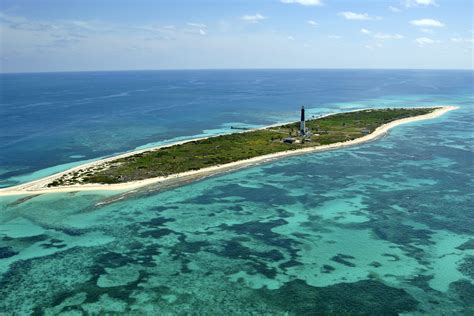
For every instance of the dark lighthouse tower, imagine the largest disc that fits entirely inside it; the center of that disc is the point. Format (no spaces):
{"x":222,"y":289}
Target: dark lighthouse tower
{"x":302,"y":125}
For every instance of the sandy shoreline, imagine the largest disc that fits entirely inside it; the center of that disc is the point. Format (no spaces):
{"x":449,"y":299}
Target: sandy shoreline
{"x":40,"y":186}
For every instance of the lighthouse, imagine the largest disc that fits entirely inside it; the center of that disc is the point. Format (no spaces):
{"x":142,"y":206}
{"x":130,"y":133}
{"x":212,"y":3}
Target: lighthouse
{"x":302,"y":125}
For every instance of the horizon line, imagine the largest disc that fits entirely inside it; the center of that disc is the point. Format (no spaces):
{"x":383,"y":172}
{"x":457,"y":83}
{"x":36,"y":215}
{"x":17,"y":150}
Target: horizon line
{"x":235,"y":69}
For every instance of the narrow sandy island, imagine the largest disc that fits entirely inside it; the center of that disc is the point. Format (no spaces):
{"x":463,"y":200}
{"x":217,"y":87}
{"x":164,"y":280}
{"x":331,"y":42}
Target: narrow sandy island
{"x":40,"y":186}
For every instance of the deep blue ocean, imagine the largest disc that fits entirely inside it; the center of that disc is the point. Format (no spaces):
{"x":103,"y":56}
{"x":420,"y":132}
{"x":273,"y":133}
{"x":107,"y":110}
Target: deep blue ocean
{"x":383,"y":228}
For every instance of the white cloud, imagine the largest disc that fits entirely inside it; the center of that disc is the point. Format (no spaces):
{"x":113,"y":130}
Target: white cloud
{"x":49,"y":34}
{"x":197,"y":28}
{"x":24,"y":24}
{"x":394,"y":9}
{"x":422,"y":41}
{"x":253,"y":18}
{"x":83,"y":24}
{"x":388,"y":36}
{"x":304,"y":2}
{"x":425,"y":2}
{"x":372,"y":47}
{"x":427,"y":23}
{"x":430,"y":31}
{"x":462,"y":40}
{"x":198,"y":25}
{"x":382,"y":36}
{"x":313,"y":23}
{"x":416,"y":3}
{"x":357,"y":16}
{"x":291,"y":38}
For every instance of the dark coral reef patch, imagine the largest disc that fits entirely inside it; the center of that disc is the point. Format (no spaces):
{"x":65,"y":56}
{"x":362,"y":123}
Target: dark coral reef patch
{"x":365,"y":297}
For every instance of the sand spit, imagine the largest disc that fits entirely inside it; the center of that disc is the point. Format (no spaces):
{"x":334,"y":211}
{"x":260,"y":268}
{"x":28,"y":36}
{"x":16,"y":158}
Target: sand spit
{"x":40,"y":186}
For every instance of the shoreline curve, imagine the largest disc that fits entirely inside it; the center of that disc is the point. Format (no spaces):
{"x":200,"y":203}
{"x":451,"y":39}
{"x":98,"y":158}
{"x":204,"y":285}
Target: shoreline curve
{"x":39,"y":186}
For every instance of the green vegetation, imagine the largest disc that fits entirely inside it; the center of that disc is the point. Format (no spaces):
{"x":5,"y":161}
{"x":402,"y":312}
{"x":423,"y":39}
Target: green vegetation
{"x":224,"y":149}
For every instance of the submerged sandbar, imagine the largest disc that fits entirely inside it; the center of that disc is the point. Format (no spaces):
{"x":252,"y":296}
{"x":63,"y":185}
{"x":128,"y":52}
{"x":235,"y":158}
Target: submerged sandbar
{"x":197,"y":158}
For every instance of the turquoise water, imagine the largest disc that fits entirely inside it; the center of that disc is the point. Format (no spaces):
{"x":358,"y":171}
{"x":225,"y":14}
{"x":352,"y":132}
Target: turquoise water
{"x":382,"y":228}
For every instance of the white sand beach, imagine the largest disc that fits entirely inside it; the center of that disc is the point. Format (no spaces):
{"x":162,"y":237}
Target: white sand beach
{"x":40,"y":186}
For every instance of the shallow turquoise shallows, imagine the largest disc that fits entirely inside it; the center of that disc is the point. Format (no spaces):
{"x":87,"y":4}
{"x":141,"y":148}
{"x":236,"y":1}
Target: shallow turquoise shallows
{"x":384,"y":228}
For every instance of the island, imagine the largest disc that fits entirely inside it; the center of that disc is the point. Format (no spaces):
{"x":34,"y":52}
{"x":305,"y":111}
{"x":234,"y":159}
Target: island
{"x":198,"y":158}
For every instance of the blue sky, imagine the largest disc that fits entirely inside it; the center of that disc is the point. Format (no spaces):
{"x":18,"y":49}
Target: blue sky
{"x":68,"y":35}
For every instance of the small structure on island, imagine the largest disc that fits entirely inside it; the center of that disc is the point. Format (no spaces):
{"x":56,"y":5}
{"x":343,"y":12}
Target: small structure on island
{"x":302,"y":123}
{"x":303,"y":134}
